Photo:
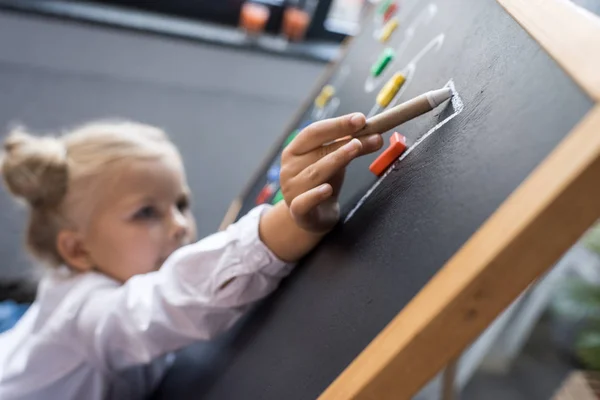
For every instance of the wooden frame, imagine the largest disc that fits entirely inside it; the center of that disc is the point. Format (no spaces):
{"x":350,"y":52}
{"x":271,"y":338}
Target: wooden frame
{"x":528,"y":233}
{"x":570,"y":34}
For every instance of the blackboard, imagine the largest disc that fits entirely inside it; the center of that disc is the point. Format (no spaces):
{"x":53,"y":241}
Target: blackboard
{"x":518,"y":105}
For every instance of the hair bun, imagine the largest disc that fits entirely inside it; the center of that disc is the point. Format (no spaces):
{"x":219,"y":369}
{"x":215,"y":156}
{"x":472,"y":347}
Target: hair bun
{"x":35,"y":168}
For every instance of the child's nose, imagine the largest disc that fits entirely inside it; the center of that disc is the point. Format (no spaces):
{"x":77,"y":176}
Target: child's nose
{"x":180,"y":226}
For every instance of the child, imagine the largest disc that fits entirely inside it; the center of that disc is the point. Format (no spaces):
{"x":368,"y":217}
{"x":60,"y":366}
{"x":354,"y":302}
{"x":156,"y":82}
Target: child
{"x":110,"y":214}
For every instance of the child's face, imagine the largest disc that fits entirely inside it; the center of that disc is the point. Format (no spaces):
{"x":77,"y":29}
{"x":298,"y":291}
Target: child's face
{"x":142,"y":216}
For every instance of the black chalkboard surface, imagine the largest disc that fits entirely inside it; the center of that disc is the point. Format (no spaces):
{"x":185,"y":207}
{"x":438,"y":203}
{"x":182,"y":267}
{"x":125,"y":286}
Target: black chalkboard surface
{"x":517,"y":106}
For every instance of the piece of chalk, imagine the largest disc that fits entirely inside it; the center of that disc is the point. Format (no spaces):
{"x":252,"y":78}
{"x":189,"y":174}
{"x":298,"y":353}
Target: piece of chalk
{"x":324,"y":96}
{"x":403,"y":112}
{"x":396,"y":148}
{"x":390,"y":89}
{"x":388,"y":29}
{"x":384,"y":59}
{"x":437,"y":97}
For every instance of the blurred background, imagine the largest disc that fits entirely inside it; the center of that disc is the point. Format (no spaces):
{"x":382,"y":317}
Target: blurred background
{"x":223,"y":78}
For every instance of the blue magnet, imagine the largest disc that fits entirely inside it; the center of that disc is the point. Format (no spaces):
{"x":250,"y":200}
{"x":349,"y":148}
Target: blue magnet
{"x":273,"y":173}
{"x":305,"y":123}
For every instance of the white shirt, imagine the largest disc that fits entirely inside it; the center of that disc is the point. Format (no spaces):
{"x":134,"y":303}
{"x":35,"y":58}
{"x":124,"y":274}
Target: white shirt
{"x":87,"y":336}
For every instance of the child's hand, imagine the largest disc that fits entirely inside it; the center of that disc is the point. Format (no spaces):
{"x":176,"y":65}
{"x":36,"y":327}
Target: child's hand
{"x":312,"y":174}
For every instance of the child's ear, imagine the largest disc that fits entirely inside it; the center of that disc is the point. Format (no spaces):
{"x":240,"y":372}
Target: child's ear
{"x":71,"y":248}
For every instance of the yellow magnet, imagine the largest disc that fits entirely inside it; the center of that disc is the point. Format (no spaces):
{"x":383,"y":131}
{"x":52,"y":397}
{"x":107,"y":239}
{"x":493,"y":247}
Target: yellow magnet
{"x":388,"y":29}
{"x":389,"y":90}
{"x":326,"y":94}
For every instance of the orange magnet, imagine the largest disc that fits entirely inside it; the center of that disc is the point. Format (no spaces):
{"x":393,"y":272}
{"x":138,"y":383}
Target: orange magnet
{"x":391,"y":154}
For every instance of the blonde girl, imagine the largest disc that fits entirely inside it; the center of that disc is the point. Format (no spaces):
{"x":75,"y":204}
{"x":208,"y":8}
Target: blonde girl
{"x":127,"y":283}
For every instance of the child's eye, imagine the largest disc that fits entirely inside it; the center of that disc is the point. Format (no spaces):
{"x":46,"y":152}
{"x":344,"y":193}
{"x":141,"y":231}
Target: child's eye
{"x":146,"y":212}
{"x":183,"y":204}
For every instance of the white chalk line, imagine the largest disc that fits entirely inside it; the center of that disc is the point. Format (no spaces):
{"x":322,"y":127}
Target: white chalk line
{"x":375,"y":110}
{"x":458,"y":106}
{"x":425,"y":16}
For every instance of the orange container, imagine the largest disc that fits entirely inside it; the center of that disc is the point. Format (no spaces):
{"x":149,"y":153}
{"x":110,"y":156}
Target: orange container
{"x":254,"y":17}
{"x":295,"y":23}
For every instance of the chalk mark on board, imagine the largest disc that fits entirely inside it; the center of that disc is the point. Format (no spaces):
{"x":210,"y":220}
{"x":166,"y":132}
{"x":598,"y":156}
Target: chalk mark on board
{"x":425,"y":17}
{"x":375,"y":110}
{"x":436,"y":41}
{"x":410,"y":69}
{"x":458,"y":106}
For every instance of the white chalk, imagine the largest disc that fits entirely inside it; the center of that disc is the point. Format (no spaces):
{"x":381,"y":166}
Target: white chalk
{"x":437,"y":97}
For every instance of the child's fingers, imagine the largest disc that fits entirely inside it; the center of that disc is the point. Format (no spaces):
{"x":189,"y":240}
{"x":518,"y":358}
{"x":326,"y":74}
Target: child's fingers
{"x":322,"y":170}
{"x":307,"y":201}
{"x":325,"y":131}
{"x":369,"y":143}
{"x":296,"y":164}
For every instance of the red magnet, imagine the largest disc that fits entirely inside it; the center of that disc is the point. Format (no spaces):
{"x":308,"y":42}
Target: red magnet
{"x":391,"y":10}
{"x":391,"y":154}
{"x":266,"y":193}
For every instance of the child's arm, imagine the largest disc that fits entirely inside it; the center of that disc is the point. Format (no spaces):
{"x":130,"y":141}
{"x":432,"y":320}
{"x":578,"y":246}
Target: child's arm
{"x":200,"y":291}
{"x":203,"y":288}
{"x":311,"y":178}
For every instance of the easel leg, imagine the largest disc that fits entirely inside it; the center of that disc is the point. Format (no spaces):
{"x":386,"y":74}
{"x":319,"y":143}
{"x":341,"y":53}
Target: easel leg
{"x":448,"y":379}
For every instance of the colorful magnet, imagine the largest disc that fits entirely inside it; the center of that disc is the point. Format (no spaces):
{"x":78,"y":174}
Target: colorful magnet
{"x":384,"y":59}
{"x":326,"y":94}
{"x":389,"y":155}
{"x":273,"y":173}
{"x":266,"y":193}
{"x":278,"y":197}
{"x":305,"y":123}
{"x":390,"y":11}
{"x":383,"y":7}
{"x":390,"y":89}
{"x":291,"y":137}
{"x":388,"y":29}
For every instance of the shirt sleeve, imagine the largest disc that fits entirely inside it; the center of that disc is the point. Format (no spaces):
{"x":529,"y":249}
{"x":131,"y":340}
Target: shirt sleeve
{"x":200,"y":291}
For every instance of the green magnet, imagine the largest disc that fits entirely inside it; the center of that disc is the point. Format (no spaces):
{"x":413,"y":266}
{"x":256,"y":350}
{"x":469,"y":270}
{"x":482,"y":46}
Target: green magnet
{"x":385,"y":4}
{"x":277,"y":198}
{"x":384,"y":59}
{"x":291,"y":137}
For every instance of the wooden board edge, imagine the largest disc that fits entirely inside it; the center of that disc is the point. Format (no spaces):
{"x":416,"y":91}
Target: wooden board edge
{"x":231,"y":214}
{"x":528,"y":233}
{"x":295,"y":120}
{"x":569,"y":33}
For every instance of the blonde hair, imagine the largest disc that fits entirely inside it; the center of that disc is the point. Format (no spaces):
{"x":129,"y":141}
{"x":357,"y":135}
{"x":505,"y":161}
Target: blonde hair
{"x":51,"y":172}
